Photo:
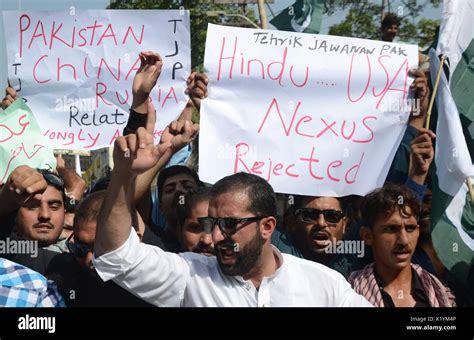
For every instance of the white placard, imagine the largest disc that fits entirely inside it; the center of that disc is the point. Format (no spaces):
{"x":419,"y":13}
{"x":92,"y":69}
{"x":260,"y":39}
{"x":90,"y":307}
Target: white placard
{"x":312,"y":114}
{"x":75,"y":69}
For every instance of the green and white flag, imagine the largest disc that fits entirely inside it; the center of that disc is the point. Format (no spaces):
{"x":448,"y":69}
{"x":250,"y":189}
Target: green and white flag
{"x":303,"y":16}
{"x":452,"y":218}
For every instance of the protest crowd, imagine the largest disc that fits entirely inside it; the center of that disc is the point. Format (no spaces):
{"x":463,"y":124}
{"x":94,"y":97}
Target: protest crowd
{"x":234,"y":243}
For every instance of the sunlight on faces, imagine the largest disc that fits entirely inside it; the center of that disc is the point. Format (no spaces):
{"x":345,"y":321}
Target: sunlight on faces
{"x":42,"y":220}
{"x":316,"y":237}
{"x":191,"y":236}
{"x":393,"y":239}
{"x":239,"y":253}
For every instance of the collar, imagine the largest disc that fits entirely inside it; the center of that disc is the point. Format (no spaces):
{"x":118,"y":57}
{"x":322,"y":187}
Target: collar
{"x":277,"y":272}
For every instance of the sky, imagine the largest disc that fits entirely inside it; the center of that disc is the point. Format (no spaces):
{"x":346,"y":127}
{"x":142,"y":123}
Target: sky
{"x":277,"y":6}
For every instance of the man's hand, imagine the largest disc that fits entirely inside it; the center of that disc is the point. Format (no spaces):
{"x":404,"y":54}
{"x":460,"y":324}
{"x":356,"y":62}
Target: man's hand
{"x":145,"y":79}
{"x":197,"y":88}
{"x":179,"y":134}
{"x":74,"y":185}
{"x":10,"y":97}
{"x":421,"y":156}
{"x":136,"y":153}
{"x":24,"y":183}
{"x":421,"y":93}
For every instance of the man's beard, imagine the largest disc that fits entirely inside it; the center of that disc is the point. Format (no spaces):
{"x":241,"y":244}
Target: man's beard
{"x":246,"y":257}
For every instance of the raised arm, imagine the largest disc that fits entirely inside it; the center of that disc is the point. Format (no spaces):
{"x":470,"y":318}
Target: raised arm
{"x":421,"y":93}
{"x":133,"y":154}
{"x":421,"y":156}
{"x":143,"y":82}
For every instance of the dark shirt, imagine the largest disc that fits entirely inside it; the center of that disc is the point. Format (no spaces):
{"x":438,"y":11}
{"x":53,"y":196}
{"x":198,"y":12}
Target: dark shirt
{"x":417,"y":291}
{"x":398,"y":172}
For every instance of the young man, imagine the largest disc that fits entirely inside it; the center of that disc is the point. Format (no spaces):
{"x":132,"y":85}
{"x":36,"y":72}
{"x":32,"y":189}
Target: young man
{"x":390,"y":216}
{"x":389,"y":28}
{"x":191,"y":235}
{"x":247,"y":269}
{"x":36,"y":199}
{"x":316,"y":223}
{"x":172,"y":183}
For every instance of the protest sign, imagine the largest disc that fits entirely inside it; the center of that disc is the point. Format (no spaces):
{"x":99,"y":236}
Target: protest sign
{"x":21,"y":141}
{"x":312,"y":114}
{"x":75,"y":69}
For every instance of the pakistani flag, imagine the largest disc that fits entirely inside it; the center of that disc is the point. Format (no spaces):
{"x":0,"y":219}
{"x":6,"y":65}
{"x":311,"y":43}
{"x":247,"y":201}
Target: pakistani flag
{"x":303,"y":16}
{"x":452,"y":216}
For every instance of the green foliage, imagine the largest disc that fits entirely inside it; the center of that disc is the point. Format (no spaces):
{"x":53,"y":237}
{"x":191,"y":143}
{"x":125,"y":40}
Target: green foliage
{"x":363,"y":20}
{"x":359,"y":23}
{"x":199,"y":19}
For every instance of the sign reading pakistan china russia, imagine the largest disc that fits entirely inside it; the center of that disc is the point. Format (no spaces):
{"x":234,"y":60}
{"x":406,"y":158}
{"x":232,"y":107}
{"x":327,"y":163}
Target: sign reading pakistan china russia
{"x":312,"y":114}
{"x":75,"y":69}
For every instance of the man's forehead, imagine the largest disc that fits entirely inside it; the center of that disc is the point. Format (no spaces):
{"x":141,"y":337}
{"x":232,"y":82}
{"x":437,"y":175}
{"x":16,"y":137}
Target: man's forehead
{"x":400,"y":214}
{"x":179,"y":178}
{"x":230,"y":202}
{"x":328,"y":202}
{"x":52,"y":192}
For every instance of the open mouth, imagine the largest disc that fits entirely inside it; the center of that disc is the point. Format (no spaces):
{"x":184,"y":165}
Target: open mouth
{"x":226,"y":254}
{"x":402,"y":254}
{"x":207,"y":252}
{"x":321,"y":239}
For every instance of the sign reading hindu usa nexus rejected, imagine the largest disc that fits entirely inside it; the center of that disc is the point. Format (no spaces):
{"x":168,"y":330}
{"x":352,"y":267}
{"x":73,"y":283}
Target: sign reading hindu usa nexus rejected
{"x":75,"y":69}
{"x":312,"y":114}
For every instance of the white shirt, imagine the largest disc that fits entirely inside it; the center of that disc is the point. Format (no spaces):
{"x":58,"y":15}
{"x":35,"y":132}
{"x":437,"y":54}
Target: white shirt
{"x":192,"y":280}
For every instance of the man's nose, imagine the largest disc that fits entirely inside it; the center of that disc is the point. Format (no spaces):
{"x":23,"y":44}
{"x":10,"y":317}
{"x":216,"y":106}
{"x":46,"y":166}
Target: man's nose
{"x":44,"y":213}
{"x":217,"y":235}
{"x":403,"y":237}
{"x":321,"y":220}
{"x":206,"y":238}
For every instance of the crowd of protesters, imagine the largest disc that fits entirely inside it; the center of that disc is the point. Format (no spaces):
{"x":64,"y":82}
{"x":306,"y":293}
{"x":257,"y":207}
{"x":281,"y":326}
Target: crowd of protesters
{"x":225,"y":244}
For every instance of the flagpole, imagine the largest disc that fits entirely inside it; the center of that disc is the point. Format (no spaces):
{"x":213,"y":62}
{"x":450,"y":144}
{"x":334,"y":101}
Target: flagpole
{"x":471,"y":189}
{"x":435,"y":89}
{"x":262,"y":14}
{"x":428,"y":117}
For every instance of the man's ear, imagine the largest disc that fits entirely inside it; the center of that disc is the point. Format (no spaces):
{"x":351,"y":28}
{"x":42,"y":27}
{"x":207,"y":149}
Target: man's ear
{"x":267,"y":225}
{"x":366,"y":235}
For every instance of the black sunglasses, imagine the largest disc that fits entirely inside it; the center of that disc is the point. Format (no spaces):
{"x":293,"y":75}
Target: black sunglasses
{"x":77,"y":249}
{"x":227,"y":225}
{"x":310,"y":215}
{"x":52,"y":179}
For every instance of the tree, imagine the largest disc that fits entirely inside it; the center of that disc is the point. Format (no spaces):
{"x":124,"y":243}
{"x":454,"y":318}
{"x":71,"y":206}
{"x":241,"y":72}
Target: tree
{"x":363,"y":20}
{"x":199,"y":19}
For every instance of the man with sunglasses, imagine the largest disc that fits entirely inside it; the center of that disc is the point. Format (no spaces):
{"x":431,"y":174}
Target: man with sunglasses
{"x":316,"y":224}
{"x":247,"y":270}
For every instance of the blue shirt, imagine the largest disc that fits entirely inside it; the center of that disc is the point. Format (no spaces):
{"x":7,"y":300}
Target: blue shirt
{"x":23,"y":287}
